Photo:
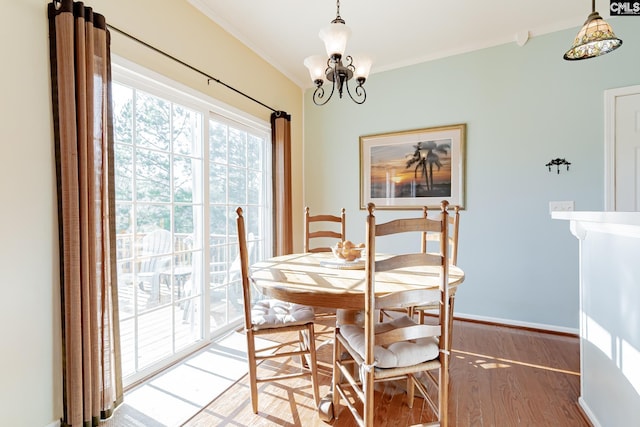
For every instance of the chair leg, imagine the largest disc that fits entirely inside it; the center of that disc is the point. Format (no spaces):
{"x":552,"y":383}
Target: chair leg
{"x":369,"y":403}
{"x":251,"y":359}
{"x":421,"y":316}
{"x":336,"y":371}
{"x":313,"y":363}
{"x":410,"y":391}
{"x":443,"y":401}
{"x":304,"y":346}
{"x":450,"y":344}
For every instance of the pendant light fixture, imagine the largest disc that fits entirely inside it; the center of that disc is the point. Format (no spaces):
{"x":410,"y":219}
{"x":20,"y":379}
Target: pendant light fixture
{"x":338,"y":69}
{"x":595,"y":38}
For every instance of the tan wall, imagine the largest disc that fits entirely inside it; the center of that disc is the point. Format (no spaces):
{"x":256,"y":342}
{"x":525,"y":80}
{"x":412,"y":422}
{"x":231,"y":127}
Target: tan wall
{"x":30,"y":386}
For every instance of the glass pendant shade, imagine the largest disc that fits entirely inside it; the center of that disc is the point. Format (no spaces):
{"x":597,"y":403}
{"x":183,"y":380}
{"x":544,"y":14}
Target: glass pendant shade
{"x":316,"y":65}
{"x":595,"y":38}
{"x":335,"y":37}
{"x":362,"y":65}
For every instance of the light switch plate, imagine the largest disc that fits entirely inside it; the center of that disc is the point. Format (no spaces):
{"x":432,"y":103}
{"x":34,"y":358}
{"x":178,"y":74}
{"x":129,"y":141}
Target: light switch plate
{"x":561,"y":206}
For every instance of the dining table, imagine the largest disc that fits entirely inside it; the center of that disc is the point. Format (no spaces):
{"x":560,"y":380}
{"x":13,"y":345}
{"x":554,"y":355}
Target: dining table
{"x":321,"y":280}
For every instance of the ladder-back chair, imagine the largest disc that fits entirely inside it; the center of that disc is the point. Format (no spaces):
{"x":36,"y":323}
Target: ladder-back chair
{"x":268,"y":317}
{"x":431,"y":242}
{"x":401,"y":348}
{"x":454,"y":226}
{"x":321,"y":228}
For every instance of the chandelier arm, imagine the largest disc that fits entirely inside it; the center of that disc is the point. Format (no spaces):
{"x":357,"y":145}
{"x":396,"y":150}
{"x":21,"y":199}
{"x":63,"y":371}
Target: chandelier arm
{"x":318,"y":94}
{"x":360,"y":92}
{"x":349,"y":61}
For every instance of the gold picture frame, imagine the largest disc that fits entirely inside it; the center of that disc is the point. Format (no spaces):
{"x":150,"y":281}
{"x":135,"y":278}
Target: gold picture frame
{"x":414,"y":168}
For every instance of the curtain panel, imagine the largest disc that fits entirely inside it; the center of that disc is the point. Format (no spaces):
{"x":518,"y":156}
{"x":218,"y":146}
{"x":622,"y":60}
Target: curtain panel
{"x":282,"y":219}
{"x":81,"y":98}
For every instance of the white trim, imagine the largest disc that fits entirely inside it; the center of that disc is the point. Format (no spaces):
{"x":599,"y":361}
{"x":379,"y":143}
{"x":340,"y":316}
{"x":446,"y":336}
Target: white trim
{"x":517,"y":323}
{"x":588,"y":412}
{"x":124,"y":68}
{"x":54,"y":424}
{"x":610,"y":96}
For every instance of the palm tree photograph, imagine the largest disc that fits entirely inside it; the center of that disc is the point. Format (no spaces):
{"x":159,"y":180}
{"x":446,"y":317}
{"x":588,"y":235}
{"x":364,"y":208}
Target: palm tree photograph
{"x":413,"y":168}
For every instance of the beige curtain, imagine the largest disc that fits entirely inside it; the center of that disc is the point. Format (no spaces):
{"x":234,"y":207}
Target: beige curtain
{"x":282,"y":220}
{"x":81,"y":85}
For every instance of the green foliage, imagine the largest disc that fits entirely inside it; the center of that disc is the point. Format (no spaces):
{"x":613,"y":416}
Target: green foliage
{"x":158,"y":162}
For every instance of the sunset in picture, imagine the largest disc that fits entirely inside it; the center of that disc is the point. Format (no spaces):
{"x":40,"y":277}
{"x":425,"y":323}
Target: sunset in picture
{"x":421,"y":169}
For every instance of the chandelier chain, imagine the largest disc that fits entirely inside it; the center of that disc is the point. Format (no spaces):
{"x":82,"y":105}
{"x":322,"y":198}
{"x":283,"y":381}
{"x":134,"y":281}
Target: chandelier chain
{"x":338,"y":19}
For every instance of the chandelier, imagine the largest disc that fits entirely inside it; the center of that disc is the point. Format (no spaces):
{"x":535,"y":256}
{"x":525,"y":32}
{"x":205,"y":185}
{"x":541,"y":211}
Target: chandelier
{"x":595,"y":38}
{"x":338,"y":69}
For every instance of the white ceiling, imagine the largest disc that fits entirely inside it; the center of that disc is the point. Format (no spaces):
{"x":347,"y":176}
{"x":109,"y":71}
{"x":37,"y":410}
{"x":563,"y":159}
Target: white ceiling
{"x":394,"y":33}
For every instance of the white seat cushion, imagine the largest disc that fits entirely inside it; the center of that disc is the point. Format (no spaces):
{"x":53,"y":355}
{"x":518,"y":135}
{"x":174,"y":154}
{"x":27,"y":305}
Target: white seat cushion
{"x":271,"y":313}
{"x":400,"y":354}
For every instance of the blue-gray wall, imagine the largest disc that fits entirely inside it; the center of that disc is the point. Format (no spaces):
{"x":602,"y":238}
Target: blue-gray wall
{"x":523,"y":106}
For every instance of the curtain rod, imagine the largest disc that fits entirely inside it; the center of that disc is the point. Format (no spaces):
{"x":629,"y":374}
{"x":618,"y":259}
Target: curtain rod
{"x":209,"y":78}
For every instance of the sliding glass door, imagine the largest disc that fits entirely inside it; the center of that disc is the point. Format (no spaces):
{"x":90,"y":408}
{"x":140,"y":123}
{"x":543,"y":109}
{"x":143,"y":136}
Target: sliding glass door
{"x":181,"y":169}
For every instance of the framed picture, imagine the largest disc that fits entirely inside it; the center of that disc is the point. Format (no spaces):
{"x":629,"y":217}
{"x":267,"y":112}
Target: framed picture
{"x":414,"y":168}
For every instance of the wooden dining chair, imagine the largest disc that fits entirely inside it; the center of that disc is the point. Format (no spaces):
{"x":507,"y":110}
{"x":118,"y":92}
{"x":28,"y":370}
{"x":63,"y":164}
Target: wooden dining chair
{"x":454,"y":226}
{"x":401,"y":348}
{"x":322,"y":227}
{"x":431,"y":242}
{"x":269,"y":316}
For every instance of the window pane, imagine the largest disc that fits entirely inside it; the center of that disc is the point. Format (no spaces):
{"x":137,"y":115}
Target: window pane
{"x":150,"y":217}
{"x":127,"y":342}
{"x":123,"y":218}
{"x":254,"y":221}
{"x":152,"y":176}
{"x":183,"y":179}
{"x":124,"y":172}
{"x":152,"y":122}
{"x":217,"y":183}
{"x":217,"y":142}
{"x":237,"y":186}
{"x":255,"y":152}
{"x":183,"y":219}
{"x":122,"y":113}
{"x":254,"y":188}
{"x":153,"y":342}
{"x":237,"y":147}
{"x":218,"y":220}
{"x":186,"y":130}
{"x":232,"y":225}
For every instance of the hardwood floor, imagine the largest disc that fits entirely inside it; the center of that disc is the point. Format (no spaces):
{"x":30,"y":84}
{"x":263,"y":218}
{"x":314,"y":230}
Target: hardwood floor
{"x":500,"y":376}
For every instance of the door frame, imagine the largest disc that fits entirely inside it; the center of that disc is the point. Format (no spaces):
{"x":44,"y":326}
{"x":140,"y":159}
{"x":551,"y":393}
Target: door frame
{"x":610,"y":96}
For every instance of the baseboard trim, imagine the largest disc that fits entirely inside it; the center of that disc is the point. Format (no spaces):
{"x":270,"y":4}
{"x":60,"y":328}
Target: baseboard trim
{"x":586,"y":413}
{"x":54,"y":424}
{"x":541,"y":327}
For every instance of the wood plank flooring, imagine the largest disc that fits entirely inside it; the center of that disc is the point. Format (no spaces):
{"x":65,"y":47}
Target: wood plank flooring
{"x":500,"y":377}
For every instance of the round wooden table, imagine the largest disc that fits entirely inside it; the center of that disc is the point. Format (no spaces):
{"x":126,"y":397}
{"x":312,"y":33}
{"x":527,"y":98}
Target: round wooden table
{"x":317,"y":279}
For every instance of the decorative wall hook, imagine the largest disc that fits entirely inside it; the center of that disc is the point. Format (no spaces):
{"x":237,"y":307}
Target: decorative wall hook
{"x":557,"y":162}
